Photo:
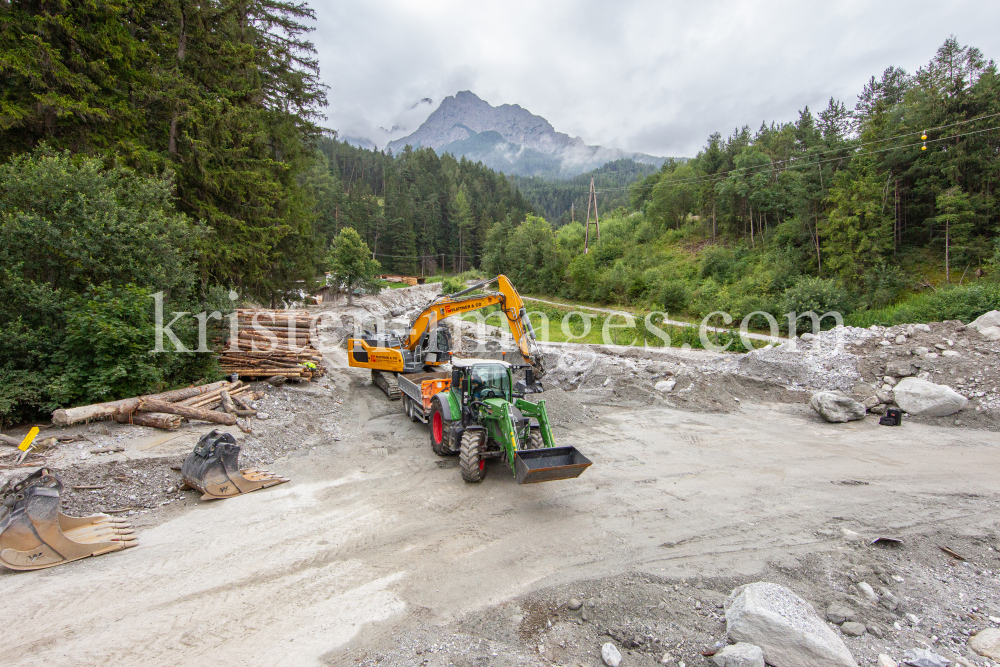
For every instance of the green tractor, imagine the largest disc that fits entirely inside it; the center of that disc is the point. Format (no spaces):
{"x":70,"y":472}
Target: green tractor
{"x":480,"y":413}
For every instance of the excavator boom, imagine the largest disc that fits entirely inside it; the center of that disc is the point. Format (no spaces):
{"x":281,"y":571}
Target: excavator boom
{"x":385,"y":354}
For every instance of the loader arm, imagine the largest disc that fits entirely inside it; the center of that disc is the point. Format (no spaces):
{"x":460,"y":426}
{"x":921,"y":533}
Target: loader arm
{"x":463,"y":302}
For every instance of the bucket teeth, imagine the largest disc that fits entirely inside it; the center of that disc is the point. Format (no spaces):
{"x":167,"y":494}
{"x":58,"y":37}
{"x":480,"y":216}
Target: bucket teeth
{"x":34,"y":534}
{"x":213,"y":469}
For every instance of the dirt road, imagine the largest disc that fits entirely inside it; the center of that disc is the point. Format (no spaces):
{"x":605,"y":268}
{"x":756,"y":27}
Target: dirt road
{"x":376,"y":536}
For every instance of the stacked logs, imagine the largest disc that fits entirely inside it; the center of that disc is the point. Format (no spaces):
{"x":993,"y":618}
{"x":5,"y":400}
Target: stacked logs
{"x":273,"y":343}
{"x":168,"y":409}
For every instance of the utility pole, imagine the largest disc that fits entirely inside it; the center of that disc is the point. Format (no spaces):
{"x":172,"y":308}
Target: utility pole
{"x":591,"y":198}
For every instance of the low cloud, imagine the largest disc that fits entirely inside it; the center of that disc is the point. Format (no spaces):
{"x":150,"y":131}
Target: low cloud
{"x":655,"y":77}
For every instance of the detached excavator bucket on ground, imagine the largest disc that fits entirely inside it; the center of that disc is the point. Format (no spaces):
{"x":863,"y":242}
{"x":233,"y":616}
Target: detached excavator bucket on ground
{"x":34,"y":534}
{"x":213,"y":469}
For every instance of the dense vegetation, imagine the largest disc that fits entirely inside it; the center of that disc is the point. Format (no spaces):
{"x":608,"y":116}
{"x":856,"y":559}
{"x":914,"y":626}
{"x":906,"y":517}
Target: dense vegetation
{"x":172,"y":147}
{"x":565,"y":201}
{"x":418,"y":212}
{"x":845,"y":210}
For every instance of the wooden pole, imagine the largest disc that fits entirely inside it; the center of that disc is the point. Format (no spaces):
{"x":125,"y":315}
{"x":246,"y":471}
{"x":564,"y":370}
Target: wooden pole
{"x":152,"y":419}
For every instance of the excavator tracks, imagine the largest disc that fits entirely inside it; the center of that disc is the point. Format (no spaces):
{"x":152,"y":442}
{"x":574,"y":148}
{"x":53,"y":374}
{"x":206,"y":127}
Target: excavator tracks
{"x":387,"y":383}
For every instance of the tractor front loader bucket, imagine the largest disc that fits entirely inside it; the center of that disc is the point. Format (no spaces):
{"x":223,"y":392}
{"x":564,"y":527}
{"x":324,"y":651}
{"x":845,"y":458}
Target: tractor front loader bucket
{"x":213,"y":469}
{"x":547,"y":464}
{"x":34,"y":534}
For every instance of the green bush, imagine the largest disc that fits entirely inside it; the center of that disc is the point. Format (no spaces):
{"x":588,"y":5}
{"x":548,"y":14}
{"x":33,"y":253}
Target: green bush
{"x":674,"y":296}
{"x":819,"y":295}
{"x":82,"y":249}
{"x":452,"y":285}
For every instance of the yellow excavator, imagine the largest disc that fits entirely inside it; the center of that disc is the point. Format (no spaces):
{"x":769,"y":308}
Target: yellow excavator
{"x":427,"y":345}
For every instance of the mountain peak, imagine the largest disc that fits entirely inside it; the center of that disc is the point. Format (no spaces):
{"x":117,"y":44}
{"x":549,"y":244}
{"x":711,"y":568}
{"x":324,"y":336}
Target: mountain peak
{"x":459,"y":121}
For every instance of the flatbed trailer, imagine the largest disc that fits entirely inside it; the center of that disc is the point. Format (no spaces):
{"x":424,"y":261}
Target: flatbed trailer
{"x":418,"y":390}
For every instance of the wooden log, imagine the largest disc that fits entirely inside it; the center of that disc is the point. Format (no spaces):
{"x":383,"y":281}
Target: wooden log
{"x":7,"y":440}
{"x":152,"y":419}
{"x":126,"y":406}
{"x":153,"y":405}
{"x":188,"y":392}
{"x":194,"y":400}
{"x":211,"y":398}
{"x":109,"y":410}
{"x":227,"y":403}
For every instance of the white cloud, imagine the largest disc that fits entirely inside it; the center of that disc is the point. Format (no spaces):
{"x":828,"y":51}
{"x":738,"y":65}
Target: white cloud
{"x":656,"y":77}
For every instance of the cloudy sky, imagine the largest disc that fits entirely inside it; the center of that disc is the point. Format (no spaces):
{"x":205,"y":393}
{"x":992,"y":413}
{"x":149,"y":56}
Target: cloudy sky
{"x":656,"y":77}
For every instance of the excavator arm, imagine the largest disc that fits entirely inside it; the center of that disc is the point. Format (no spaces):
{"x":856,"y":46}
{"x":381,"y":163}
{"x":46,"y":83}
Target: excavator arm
{"x":463,"y":302}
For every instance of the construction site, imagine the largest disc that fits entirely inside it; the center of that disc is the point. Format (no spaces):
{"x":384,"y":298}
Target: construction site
{"x":696,"y":508}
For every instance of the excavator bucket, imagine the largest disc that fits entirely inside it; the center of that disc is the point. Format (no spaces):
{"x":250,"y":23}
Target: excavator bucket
{"x":34,"y":534}
{"x":548,"y":464}
{"x":213,"y":469}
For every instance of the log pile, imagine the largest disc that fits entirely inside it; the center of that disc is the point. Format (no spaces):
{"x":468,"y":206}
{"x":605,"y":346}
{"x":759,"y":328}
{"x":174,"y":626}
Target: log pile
{"x":168,"y":409}
{"x":273,"y":343}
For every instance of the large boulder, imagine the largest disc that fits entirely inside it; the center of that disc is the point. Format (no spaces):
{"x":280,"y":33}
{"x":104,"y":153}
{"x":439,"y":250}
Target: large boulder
{"x":987,"y":642}
{"x":920,"y":397}
{"x":988,"y":324}
{"x":786,"y":628}
{"x":836,"y":408}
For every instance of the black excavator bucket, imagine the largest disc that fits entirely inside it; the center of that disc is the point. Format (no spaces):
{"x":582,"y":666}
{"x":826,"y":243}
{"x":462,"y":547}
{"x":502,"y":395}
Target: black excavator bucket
{"x":34,"y":534}
{"x":213,"y":469}
{"x":548,"y":464}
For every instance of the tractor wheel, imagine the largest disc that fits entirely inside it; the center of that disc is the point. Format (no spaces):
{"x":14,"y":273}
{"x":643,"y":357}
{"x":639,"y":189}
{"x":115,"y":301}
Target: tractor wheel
{"x":473,"y":465}
{"x":440,"y":431}
{"x":535,"y":440}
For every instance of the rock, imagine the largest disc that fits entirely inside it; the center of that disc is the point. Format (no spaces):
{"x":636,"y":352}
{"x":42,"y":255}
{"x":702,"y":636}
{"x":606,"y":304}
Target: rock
{"x":988,"y":325}
{"x":585,"y":613}
{"x":900,"y":339}
{"x":607,"y":381}
{"x":921,"y":397}
{"x":885,"y":661}
{"x":836,"y":408}
{"x":806,"y":337}
{"x":665,"y":386}
{"x":784,"y":626}
{"x":922,"y":657}
{"x":875,"y":631}
{"x":574,"y":604}
{"x":263,"y":416}
{"x":739,"y":655}
{"x":853,"y":629}
{"x":277,"y":380}
{"x":885,"y":343}
{"x":880,"y":409}
{"x":987,"y":642}
{"x":889,"y":380}
{"x":931,"y":355}
{"x":950,"y":353}
{"x":610,"y":654}
{"x":837,"y":613}
{"x":667,"y":659}
{"x":868,"y":592}
{"x":922,"y":327}
{"x":899,"y":368}
{"x":920,"y":351}
{"x":913,"y":619}
{"x":941,"y":346}
{"x":871,"y":402}
{"x":884,"y":396}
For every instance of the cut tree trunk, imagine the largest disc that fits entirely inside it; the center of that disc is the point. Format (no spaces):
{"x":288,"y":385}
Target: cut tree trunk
{"x":7,"y":440}
{"x":152,"y":419}
{"x":111,"y":409}
{"x":153,"y":405}
{"x":227,"y":403}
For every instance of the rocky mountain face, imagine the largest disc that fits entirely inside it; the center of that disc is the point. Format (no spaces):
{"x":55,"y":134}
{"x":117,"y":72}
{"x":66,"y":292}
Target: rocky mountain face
{"x":508,"y":138}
